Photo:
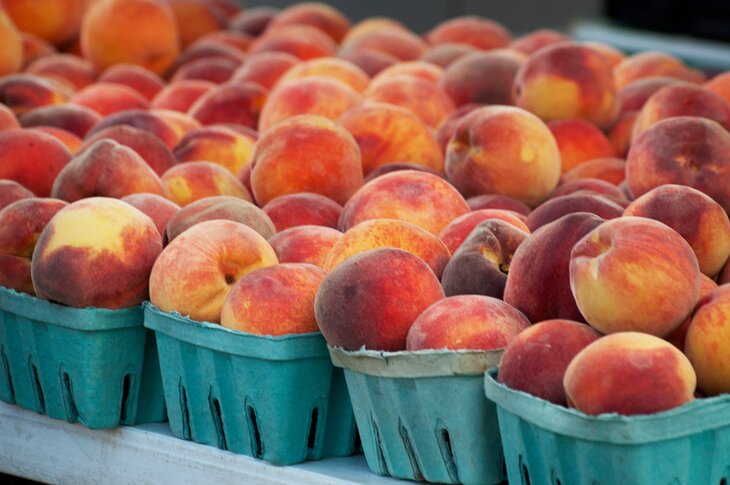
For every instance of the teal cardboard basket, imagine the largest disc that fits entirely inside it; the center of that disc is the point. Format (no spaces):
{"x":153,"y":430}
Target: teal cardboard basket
{"x":423,"y":415}
{"x":274,"y":398}
{"x":549,"y":444}
{"x":94,"y":366}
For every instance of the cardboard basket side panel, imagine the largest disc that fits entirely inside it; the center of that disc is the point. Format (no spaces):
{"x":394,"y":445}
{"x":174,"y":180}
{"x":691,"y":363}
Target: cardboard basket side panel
{"x":340,"y":434}
{"x":151,"y":407}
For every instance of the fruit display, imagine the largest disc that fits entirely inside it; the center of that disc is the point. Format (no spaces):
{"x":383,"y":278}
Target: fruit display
{"x":297,"y":193}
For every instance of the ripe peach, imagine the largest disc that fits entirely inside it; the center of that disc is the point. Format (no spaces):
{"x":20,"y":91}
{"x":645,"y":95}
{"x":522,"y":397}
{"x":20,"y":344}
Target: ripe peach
{"x":75,"y":72}
{"x":330,"y":67}
{"x":496,"y":201}
{"x":108,"y":98}
{"x":159,"y":209}
{"x":324,"y":17}
{"x":372,"y":24}
{"x":195,"y":272}
{"x":190,"y":181}
{"x":612,"y":170}
{"x":15,"y":273}
{"x":397,"y":42}
{"x":217,"y":144}
{"x":216,"y":70}
{"x":371,"y":61}
{"x":579,"y":141}
{"x":456,"y":231}
{"x":252,"y":21}
{"x":503,"y":150}
{"x":11,"y":55}
{"x":608,"y":267}
{"x":180,"y":123}
{"x":78,"y":120}
{"x":145,"y":121}
{"x":679,"y":336}
{"x":239,"y":40}
{"x":443,"y":55}
{"x":653,"y":64}
{"x":56,"y":21}
{"x":613,"y":55}
{"x":8,"y":121}
{"x":208,"y":50}
{"x":423,"y":98}
{"x":31,"y":158}
{"x":536,"y":359}
{"x":481,"y":77}
{"x":306,"y":153}
{"x":360,"y":303}
{"x":10,"y":191}
{"x":397,"y":166}
{"x":96,"y":252}
{"x":148,"y":146}
{"x":305,"y":244}
{"x":419,"y":69}
{"x":448,"y":127}
{"x":233,"y":102}
{"x":634,"y":95}
{"x":24,"y":92}
{"x":180,"y":95}
{"x":421,"y":198}
{"x":537,"y":39}
{"x":265,"y":69}
{"x":142,"y":80}
{"x":480,"y":32}
{"x":69,"y":140}
{"x":303,"y":41}
{"x":303,"y":208}
{"x":195,"y":18}
{"x":597,"y":186}
{"x":720,"y":85}
{"x":620,"y":133}
{"x":34,"y":47}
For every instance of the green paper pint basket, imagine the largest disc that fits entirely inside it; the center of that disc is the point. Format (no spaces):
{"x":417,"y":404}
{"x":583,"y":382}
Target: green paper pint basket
{"x":274,"y":398}
{"x":91,"y":365}
{"x":423,"y":415}
{"x":549,"y":444}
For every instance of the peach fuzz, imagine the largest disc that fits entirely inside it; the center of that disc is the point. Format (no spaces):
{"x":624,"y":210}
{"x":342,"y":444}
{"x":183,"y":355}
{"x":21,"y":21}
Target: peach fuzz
{"x":215,"y":70}
{"x":108,"y":98}
{"x":78,"y":120}
{"x":387,"y":133}
{"x":443,"y":55}
{"x":302,"y":41}
{"x":265,"y":69}
{"x":252,"y":21}
{"x":679,"y":336}
{"x":653,"y":64}
{"x":11,"y":55}
{"x":495,"y":201}
{"x":707,"y":337}
{"x":482,"y":33}
{"x":482,"y":77}
{"x":195,"y":18}
{"x":701,"y":221}
{"x":330,"y":67}
{"x":111,"y":34}
{"x":73,"y":71}
{"x":306,"y":153}
{"x":316,"y":14}
{"x":568,"y":80}
{"x":69,"y":140}
{"x":142,"y":80}
{"x":682,"y":100}
{"x":315,"y":95}
{"x":180,"y":96}
{"x":456,"y":231}
{"x":378,"y":233}
{"x":423,"y":98}
{"x":537,"y":39}
{"x":195,"y":272}
{"x":421,"y":198}
{"x":597,"y":186}
{"x":684,"y":150}
{"x":720,"y":85}
{"x":105,"y":169}
{"x":621,"y":269}
{"x":24,"y":92}
{"x":305,"y":244}
{"x":143,"y":120}
{"x":220,"y":207}
{"x":535,"y":360}
{"x":55,"y":21}
{"x":360,"y":303}
{"x":34,"y":48}
{"x":10,"y":191}
{"x":233,"y":102}
{"x":448,"y":127}
{"x":397,"y":42}
{"x":15,"y":273}
{"x":157,"y":208}
{"x":621,"y":132}
{"x":303,"y":208}
{"x":32,"y":159}
{"x":96,"y":252}
{"x":8,"y":121}
{"x":152,"y":150}
{"x":629,"y":373}
{"x":503,"y":150}
{"x":180,"y":123}
{"x":218,"y":144}
{"x":276,"y":300}
{"x":613,"y":55}
{"x":579,"y":141}
{"x":612,"y":170}
{"x":538,"y":282}
{"x":190,"y":181}
{"x":481,"y":263}
{"x":372,"y":61}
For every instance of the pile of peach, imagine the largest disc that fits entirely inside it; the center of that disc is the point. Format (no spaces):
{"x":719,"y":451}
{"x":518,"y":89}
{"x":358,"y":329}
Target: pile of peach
{"x":286,"y":171}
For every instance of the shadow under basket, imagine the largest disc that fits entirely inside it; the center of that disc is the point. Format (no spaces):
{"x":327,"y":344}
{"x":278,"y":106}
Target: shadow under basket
{"x":549,"y":444}
{"x":278,"y":399}
{"x":91,"y":365}
{"x":423,"y":415}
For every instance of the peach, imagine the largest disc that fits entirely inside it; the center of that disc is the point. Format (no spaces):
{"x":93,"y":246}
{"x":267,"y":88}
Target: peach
{"x":227,"y":8}
{"x":142,"y":80}
{"x":682,"y":100}
{"x":620,"y":133}
{"x":216,"y":144}
{"x":613,"y":55}
{"x":423,"y":98}
{"x":77,"y":73}
{"x":481,"y":263}
{"x":419,"y":69}
{"x":303,"y":208}
{"x":535,"y":360}
{"x":496,"y":201}
{"x":239,"y":40}
{"x":78,"y":120}
{"x":707,"y":337}
{"x":608,"y":267}
{"x":421,"y":198}
{"x":233,"y":102}
{"x":96,"y":252}
{"x":316,"y":95}
{"x":568,"y":80}
{"x":146,"y":145}
{"x":594,"y":185}
{"x":679,"y":336}
{"x":537,"y":39}
{"x":443,"y":55}
{"x":275,"y":300}
{"x":181,"y":123}
{"x":683,"y":150}
{"x":306,"y":153}
{"x":701,"y":221}
{"x":56,"y":21}
{"x":32,"y":159}
{"x":305,"y":244}
{"x":108,"y":98}
{"x":503,"y":150}
{"x":610,"y":169}
{"x":15,"y":273}
{"x":538,"y":282}
{"x":105,"y":169}
{"x":387,"y":134}
{"x":720,"y":85}
{"x":330,"y":67}
{"x":303,"y":41}
{"x":265,"y":69}
{"x":181,"y":95}
{"x":448,"y":127}
{"x":371,"y":61}
{"x":397,"y":42}
{"x":34,"y":48}
{"x":69,"y":140}
{"x":634,"y":95}
{"x":482,"y":33}
{"x":208,"y":50}
{"x":10,"y":191}
{"x":195,"y":272}
{"x":24,"y":92}
{"x":579,"y":141}
{"x":324,"y":17}
{"x":252,"y":21}
{"x":190,"y":181}
{"x":159,"y":209}
{"x":377,"y":233}
{"x":8,"y":121}
{"x":195,"y":18}
{"x":216,"y":70}
{"x":481,"y":77}
{"x":360,"y":303}
{"x":11,"y":55}
{"x":144,"y":120}
{"x":371,"y":24}
{"x":111,"y":33}
{"x":456,"y":231}
{"x":637,"y":374}
{"x":653,"y":64}
{"x":397,"y":166}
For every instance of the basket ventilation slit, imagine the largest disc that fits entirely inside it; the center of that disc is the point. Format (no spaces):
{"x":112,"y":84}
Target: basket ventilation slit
{"x":215,"y":412}
{"x":723,"y":481}
{"x":40,"y":399}
{"x":6,"y":373}
{"x":72,"y":413}
{"x":126,"y":386}
{"x":312,"y":437}
{"x":447,"y":453}
{"x":356,"y":440}
{"x":417,"y":473}
{"x":184,"y":412}
{"x":379,"y":445}
{"x":257,"y":448}
{"x":524,"y":473}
